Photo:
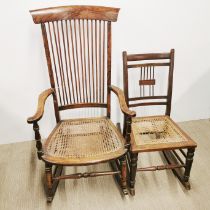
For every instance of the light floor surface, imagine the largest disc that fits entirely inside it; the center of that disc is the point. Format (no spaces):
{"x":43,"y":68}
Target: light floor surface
{"x":22,"y":174}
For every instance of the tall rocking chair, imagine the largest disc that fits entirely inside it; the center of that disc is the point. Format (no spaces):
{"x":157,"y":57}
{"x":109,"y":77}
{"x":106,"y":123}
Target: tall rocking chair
{"x":77,"y":42}
{"x":154,"y":133}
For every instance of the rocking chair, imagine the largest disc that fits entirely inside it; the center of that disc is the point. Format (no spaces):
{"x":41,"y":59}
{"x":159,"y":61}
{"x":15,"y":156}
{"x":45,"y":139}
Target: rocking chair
{"x":154,"y":133}
{"x":77,"y":42}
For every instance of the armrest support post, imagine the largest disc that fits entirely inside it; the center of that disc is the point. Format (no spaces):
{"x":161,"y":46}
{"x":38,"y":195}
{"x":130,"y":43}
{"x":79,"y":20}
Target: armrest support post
{"x":37,"y":116}
{"x":38,"y":140}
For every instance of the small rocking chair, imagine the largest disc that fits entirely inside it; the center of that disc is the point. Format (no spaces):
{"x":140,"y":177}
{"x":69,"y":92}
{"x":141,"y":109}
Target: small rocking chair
{"x":154,"y":133}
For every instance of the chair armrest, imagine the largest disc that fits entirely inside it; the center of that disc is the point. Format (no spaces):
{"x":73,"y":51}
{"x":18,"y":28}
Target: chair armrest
{"x":40,"y":108}
{"x":121,"y":97}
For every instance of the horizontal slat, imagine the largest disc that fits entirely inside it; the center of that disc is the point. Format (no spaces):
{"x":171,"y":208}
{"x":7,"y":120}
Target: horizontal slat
{"x":147,"y":98}
{"x":147,"y":64}
{"x":82,"y":105}
{"x":149,"y":56}
{"x":74,"y":12}
{"x":161,"y":167}
{"x":86,"y":175}
{"x":148,"y":104}
{"x":147,"y":82}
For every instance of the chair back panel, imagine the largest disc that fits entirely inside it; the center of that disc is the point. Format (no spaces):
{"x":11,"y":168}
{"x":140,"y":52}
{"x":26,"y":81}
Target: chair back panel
{"x":77,"y":42}
{"x":148,"y":75}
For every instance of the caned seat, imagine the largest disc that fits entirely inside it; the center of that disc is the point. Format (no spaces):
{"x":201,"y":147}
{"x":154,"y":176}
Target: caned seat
{"x":156,"y":133}
{"x":83,"y":141}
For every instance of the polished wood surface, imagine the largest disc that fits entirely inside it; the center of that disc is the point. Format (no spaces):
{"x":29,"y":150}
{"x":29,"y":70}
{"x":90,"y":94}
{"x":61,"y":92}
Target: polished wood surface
{"x":122,"y":102}
{"x":74,"y":12}
{"x":40,"y":108}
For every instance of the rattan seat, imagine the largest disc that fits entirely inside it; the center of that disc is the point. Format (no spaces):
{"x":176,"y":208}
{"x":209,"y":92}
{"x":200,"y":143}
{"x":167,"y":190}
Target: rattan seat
{"x":83,"y":141}
{"x":156,"y":133}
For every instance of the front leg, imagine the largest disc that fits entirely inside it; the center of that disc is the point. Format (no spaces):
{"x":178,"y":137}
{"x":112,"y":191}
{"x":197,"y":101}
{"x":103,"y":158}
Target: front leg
{"x":189,"y":161}
{"x":123,"y":175}
{"x":133,"y":168}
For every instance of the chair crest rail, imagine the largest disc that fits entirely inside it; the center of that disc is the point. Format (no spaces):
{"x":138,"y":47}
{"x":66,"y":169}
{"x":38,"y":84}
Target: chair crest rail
{"x":74,"y":12}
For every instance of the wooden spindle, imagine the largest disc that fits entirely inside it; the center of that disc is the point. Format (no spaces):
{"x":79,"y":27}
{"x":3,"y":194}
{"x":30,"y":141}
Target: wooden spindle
{"x":89,"y":59}
{"x":103,"y":61}
{"x":77,"y":62}
{"x":99,"y":65}
{"x":84,"y":58}
{"x":153,"y":77}
{"x":54,"y":63}
{"x":83,"y":78}
{"x":69,"y":59}
{"x":96,"y":59}
{"x":74,"y":62}
{"x":61,"y":65}
{"x":93,"y":77}
{"x":109,"y":46}
{"x":65,"y":57}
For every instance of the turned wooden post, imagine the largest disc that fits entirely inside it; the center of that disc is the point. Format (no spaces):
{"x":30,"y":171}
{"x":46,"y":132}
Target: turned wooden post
{"x":49,"y":182}
{"x":127,"y":131}
{"x":38,"y":140}
{"x":189,"y":161}
{"x":134,"y":159}
{"x":123,"y":174}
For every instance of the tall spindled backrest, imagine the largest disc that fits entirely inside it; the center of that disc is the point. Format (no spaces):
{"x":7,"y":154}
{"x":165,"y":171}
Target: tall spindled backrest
{"x":147,"y":65}
{"x":77,"y":41}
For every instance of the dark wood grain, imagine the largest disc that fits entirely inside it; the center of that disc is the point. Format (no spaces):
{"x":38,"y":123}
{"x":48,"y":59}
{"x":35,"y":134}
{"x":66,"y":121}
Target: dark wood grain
{"x":148,"y":56}
{"x":74,"y":12}
{"x":122,"y":102}
{"x":40,"y":108}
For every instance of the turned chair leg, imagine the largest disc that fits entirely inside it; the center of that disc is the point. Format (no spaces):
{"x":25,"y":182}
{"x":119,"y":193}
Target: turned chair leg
{"x":189,"y":161}
{"x":133,"y":168}
{"x":49,"y":181}
{"x":123,"y":175}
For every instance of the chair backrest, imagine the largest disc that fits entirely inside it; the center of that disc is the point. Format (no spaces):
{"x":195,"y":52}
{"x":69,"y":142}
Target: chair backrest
{"x":77,"y":41}
{"x":148,"y":65}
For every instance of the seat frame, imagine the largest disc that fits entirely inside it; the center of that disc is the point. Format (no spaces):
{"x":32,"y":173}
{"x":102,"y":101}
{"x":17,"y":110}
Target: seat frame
{"x":53,"y":172}
{"x":175,"y":161}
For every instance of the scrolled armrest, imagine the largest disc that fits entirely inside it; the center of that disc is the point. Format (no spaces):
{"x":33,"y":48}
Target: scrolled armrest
{"x":40,"y":108}
{"x":121,"y":97}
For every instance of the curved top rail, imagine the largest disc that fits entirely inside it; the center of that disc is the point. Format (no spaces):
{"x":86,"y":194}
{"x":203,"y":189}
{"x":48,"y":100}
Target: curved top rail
{"x":74,"y":12}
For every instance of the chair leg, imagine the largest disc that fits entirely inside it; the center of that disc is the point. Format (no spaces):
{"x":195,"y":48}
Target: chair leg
{"x":133,"y":168}
{"x":49,"y":181}
{"x":189,"y":161}
{"x":123,"y":175}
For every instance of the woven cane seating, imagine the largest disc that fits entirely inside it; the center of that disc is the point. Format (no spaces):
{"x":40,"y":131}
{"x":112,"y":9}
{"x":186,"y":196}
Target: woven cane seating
{"x":77,"y":42}
{"x":154,"y":133}
{"x":85,"y":141}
